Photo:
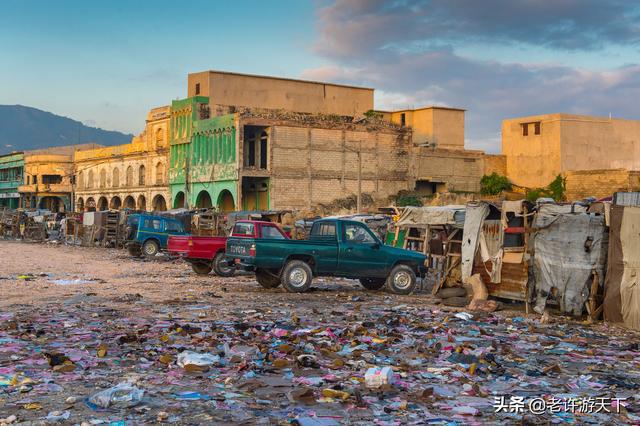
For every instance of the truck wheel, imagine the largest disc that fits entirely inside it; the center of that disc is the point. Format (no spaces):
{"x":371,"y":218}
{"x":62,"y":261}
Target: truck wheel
{"x":134,"y":250}
{"x":297,"y":276}
{"x":221,"y":267}
{"x":266,"y":279}
{"x":201,"y":268}
{"x":372,"y":283}
{"x":402,"y":280}
{"x":150,"y":248}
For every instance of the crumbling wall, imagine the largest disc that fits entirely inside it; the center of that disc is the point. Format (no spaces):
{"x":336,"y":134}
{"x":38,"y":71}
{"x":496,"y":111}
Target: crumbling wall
{"x":495,"y":164}
{"x":599,"y":183}
{"x":459,"y":170}
{"x":311,"y":166}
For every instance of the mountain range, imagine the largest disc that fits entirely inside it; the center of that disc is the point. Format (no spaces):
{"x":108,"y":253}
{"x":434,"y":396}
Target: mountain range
{"x":23,"y":128}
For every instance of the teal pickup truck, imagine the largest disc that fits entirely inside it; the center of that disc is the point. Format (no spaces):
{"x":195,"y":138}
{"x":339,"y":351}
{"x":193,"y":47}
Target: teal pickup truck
{"x":336,"y":247}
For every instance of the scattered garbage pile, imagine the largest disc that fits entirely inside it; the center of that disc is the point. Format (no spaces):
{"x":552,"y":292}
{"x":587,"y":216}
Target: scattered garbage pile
{"x":359,"y":361}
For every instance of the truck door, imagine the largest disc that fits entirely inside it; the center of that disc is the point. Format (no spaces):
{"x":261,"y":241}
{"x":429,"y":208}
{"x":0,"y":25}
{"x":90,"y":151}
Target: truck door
{"x":359,"y":252}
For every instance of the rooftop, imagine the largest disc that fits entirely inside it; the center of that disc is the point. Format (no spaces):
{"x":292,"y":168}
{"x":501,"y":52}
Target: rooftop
{"x":285,"y":79}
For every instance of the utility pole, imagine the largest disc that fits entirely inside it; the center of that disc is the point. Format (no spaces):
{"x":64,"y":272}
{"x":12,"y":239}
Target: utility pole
{"x":359,"y":204}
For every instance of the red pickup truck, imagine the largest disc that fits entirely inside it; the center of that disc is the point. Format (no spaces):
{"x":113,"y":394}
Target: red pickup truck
{"x":207,"y":253}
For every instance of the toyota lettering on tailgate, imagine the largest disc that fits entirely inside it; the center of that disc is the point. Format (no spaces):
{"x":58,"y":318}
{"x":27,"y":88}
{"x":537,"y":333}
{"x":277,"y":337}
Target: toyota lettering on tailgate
{"x":238,"y":249}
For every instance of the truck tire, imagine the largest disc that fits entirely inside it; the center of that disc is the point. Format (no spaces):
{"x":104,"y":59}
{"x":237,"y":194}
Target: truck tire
{"x":297,"y":276}
{"x":221,"y":266}
{"x":201,"y":268}
{"x":372,"y":283}
{"x":402,"y":280}
{"x":134,"y":250}
{"x":150,"y":248}
{"x":266,"y":279}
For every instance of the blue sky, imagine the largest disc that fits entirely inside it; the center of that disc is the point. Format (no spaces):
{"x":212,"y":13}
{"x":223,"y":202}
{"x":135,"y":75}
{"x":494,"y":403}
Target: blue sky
{"x":107,"y":63}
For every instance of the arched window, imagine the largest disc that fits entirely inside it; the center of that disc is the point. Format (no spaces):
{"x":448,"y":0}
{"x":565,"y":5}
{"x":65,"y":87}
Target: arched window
{"x":160,"y":137}
{"x":80,"y":182}
{"x":116,"y":178}
{"x":141,"y":176}
{"x":159,"y":174}
{"x":103,"y":178}
{"x":129,"y":180}
{"x":90,"y":181}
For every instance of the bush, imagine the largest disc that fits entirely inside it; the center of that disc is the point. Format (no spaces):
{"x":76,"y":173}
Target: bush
{"x":555,"y":190}
{"x":408,"y":200}
{"x":494,"y":184}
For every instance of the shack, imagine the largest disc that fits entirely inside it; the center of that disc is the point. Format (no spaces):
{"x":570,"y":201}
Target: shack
{"x":570,"y":249}
{"x":495,"y":244}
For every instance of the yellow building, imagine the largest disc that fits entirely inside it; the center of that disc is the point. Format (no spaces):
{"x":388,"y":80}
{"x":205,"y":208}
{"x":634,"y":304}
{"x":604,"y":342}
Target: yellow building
{"x":127,"y":176}
{"x":433,"y":126}
{"x":47,"y":181}
{"x":227,"y":91}
{"x":538,"y":148}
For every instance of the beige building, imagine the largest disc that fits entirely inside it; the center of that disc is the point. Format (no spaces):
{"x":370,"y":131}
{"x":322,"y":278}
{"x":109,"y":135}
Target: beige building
{"x":48,"y":178}
{"x":227,"y":91}
{"x":433,"y":126}
{"x":127,"y":176}
{"x":538,"y":148}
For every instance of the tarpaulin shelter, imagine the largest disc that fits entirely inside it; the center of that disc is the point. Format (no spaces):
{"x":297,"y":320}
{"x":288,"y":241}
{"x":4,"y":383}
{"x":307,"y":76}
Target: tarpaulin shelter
{"x":435,"y":231}
{"x":570,"y":247}
{"x":622,"y":285}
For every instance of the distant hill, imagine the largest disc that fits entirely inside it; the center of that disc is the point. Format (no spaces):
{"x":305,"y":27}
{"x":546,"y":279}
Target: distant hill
{"x":24,"y":128}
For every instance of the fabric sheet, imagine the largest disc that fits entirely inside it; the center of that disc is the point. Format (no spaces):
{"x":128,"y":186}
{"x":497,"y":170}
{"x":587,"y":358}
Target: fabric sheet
{"x":474,"y":218}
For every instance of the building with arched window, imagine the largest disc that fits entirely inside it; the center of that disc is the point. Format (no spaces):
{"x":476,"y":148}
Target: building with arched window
{"x":128,"y":176}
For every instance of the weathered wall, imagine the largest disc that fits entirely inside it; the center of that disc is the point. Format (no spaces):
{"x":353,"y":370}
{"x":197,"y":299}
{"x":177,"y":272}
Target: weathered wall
{"x":314,"y":165}
{"x":241,"y":90}
{"x":458,"y":170}
{"x":495,"y":164}
{"x":133,"y":175}
{"x":533,"y":160}
{"x":568,"y":142}
{"x":599,"y":183}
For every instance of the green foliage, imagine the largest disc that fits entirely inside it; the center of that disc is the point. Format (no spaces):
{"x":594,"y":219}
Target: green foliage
{"x":494,"y":184}
{"x":372,"y":114}
{"x":555,"y":190}
{"x":408,"y":200}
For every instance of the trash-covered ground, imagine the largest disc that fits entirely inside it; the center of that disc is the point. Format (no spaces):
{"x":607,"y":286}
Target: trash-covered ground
{"x":91,"y":335}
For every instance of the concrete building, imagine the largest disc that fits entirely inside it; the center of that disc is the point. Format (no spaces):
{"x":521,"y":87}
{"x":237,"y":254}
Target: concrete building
{"x":11,"y":171}
{"x":127,"y":176}
{"x":227,"y":91}
{"x":433,"y":126}
{"x":48,"y":179}
{"x":538,"y":148}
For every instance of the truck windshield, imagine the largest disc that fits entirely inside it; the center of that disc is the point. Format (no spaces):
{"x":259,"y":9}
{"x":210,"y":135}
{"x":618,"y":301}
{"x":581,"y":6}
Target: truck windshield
{"x":173,"y":226}
{"x":356,"y":233}
{"x":243,"y":229}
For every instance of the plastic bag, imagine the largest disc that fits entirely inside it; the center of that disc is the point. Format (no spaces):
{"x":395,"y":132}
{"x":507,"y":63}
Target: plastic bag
{"x":123,"y":395}
{"x":194,"y":358}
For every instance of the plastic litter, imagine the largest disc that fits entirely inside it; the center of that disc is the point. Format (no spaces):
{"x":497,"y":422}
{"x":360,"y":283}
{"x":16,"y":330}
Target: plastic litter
{"x":195,"y":360}
{"x":122,"y":395}
{"x":376,"y":377}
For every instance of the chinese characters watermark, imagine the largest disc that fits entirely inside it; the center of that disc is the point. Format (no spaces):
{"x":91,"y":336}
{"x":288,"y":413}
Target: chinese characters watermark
{"x":539,"y":405}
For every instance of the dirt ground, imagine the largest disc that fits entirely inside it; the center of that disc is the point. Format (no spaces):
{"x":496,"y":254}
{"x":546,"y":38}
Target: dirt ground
{"x":275,"y":357}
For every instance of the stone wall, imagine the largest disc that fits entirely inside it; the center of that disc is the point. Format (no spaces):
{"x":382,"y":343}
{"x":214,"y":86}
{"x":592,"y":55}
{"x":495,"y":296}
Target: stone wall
{"x":599,"y":183}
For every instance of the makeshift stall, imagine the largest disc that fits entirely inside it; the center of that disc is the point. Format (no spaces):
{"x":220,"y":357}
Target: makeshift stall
{"x":437,"y":233}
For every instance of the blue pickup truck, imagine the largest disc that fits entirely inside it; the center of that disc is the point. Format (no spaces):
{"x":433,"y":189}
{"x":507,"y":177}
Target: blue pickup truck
{"x":147,"y":234}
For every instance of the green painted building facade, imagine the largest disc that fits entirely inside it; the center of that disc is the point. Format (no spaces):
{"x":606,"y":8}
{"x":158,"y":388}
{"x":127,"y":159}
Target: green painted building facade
{"x":11,"y":173}
{"x":203,"y":168}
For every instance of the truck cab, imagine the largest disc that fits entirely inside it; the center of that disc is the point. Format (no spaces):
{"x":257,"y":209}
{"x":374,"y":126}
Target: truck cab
{"x":148,"y":234}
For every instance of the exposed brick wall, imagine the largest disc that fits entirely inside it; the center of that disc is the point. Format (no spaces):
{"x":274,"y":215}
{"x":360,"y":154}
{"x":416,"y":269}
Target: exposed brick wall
{"x":460,"y":170}
{"x":310,"y":166}
{"x":599,"y":183}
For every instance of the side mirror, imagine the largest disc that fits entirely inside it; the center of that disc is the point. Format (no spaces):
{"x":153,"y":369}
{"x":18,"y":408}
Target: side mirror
{"x":375,"y":246}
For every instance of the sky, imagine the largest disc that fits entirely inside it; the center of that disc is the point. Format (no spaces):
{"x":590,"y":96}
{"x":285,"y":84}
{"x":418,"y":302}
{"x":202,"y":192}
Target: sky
{"x":107,"y":63}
